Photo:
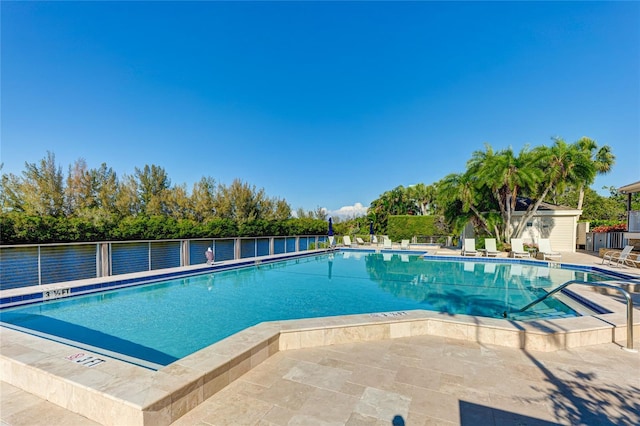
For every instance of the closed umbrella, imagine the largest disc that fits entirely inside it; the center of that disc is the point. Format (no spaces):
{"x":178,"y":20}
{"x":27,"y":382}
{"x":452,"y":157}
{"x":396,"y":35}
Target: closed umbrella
{"x":371,"y":231}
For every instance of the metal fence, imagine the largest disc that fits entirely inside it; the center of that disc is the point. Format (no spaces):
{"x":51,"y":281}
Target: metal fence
{"x":37,"y":264}
{"x":597,"y":240}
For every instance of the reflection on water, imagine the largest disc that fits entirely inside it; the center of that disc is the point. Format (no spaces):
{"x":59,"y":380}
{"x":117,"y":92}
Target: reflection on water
{"x":466,"y":287}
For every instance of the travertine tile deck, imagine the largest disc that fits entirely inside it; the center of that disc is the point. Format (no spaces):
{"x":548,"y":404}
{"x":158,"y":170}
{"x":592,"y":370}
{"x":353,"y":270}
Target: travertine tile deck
{"x":422,"y":380}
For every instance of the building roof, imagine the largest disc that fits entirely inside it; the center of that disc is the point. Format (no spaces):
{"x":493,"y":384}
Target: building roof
{"x":632,"y":188}
{"x":523,"y":203}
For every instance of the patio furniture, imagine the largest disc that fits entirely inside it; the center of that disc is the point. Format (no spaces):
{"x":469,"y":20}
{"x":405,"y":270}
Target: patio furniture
{"x":517,"y":248}
{"x":490,"y":247}
{"x":620,"y":258}
{"x":386,"y":243}
{"x":469,"y":248}
{"x":544,"y":248}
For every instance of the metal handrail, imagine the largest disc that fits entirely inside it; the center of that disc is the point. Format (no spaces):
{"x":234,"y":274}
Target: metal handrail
{"x":595,"y":284}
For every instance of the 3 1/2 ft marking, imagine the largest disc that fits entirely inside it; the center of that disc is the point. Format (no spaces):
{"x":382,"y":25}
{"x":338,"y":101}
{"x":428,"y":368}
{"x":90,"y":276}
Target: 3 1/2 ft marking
{"x":56,"y":294}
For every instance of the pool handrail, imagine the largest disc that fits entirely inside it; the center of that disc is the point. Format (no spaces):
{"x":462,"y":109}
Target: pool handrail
{"x":596,"y":284}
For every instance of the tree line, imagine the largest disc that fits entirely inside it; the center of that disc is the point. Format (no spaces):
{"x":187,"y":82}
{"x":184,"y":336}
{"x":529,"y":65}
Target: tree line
{"x":88,"y":204}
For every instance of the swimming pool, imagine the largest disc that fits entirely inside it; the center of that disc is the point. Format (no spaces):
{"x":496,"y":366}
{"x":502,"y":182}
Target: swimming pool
{"x":162,"y":322}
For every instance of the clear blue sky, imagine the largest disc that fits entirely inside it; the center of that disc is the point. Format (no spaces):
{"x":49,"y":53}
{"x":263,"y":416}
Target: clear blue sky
{"x":323,"y":104}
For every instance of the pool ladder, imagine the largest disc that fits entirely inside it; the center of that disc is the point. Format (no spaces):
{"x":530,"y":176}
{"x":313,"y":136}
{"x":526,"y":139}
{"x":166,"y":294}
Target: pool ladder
{"x":602,"y":285}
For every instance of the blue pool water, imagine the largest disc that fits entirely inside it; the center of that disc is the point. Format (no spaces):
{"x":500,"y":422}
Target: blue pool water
{"x":160,"y":323}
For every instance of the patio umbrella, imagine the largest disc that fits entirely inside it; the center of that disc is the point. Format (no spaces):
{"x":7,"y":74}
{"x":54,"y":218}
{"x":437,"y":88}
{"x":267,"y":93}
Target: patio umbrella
{"x":370,"y":231}
{"x":330,"y":228}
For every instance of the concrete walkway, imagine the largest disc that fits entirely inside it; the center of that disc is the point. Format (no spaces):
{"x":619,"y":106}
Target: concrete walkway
{"x":421,"y":380}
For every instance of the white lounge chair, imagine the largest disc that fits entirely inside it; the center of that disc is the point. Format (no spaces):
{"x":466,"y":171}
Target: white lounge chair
{"x":517,"y":248}
{"x":404,"y":244}
{"x":620,"y":257}
{"x":360,"y":241}
{"x":469,"y":248}
{"x":332,"y":241}
{"x":346,"y":241}
{"x":490,"y":247}
{"x":374,"y":240}
{"x":386,"y":243}
{"x":544,"y":248}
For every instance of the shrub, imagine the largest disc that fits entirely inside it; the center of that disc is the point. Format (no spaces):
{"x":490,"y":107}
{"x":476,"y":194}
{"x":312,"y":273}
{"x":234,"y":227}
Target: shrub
{"x":620,"y":227}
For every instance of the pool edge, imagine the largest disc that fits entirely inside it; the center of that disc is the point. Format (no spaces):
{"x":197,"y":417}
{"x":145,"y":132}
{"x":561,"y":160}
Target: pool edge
{"x":116,"y":392}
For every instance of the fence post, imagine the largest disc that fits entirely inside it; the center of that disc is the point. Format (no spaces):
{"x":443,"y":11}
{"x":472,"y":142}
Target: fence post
{"x":236,"y":249}
{"x":104,"y":262}
{"x":185,"y":247}
{"x":39,"y":268}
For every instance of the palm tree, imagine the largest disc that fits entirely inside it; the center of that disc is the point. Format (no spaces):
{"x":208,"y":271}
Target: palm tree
{"x":603,"y":160}
{"x":561,"y":164}
{"x":506,"y":176}
{"x":422,"y":195}
{"x":460,"y":188}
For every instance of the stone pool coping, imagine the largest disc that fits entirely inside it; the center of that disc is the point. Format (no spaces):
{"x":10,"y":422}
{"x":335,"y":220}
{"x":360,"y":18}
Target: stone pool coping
{"x":116,"y":392}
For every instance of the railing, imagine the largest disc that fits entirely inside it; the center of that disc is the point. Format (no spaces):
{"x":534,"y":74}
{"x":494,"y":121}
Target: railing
{"x":598,"y":240}
{"x":37,"y":264}
{"x":634,"y":221}
{"x":444,"y":240}
{"x":596,"y":284}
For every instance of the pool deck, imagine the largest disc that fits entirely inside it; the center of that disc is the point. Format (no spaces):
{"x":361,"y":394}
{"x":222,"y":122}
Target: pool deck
{"x":413,"y":369}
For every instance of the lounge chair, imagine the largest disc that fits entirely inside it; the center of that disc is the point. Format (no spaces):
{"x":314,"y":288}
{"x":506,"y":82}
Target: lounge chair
{"x":346,"y":241}
{"x":404,"y":244}
{"x":490,"y":247}
{"x":360,"y":241}
{"x":517,"y":248}
{"x":332,"y":241}
{"x":544,"y":248}
{"x":620,"y":258}
{"x":374,"y":240}
{"x":386,"y":243}
{"x":469,"y":248}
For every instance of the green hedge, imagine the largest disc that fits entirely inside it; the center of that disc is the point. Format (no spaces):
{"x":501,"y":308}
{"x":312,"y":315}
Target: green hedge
{"x":17,"y":228}
{"x":406,"y":226}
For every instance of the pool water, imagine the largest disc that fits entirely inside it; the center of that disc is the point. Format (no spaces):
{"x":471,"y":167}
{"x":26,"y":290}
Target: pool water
{"x":160,"y":323}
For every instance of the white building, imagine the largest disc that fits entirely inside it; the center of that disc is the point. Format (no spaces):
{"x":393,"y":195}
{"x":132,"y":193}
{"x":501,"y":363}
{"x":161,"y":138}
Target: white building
{"x":557,"y":223}
{"x":632,"y":236}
